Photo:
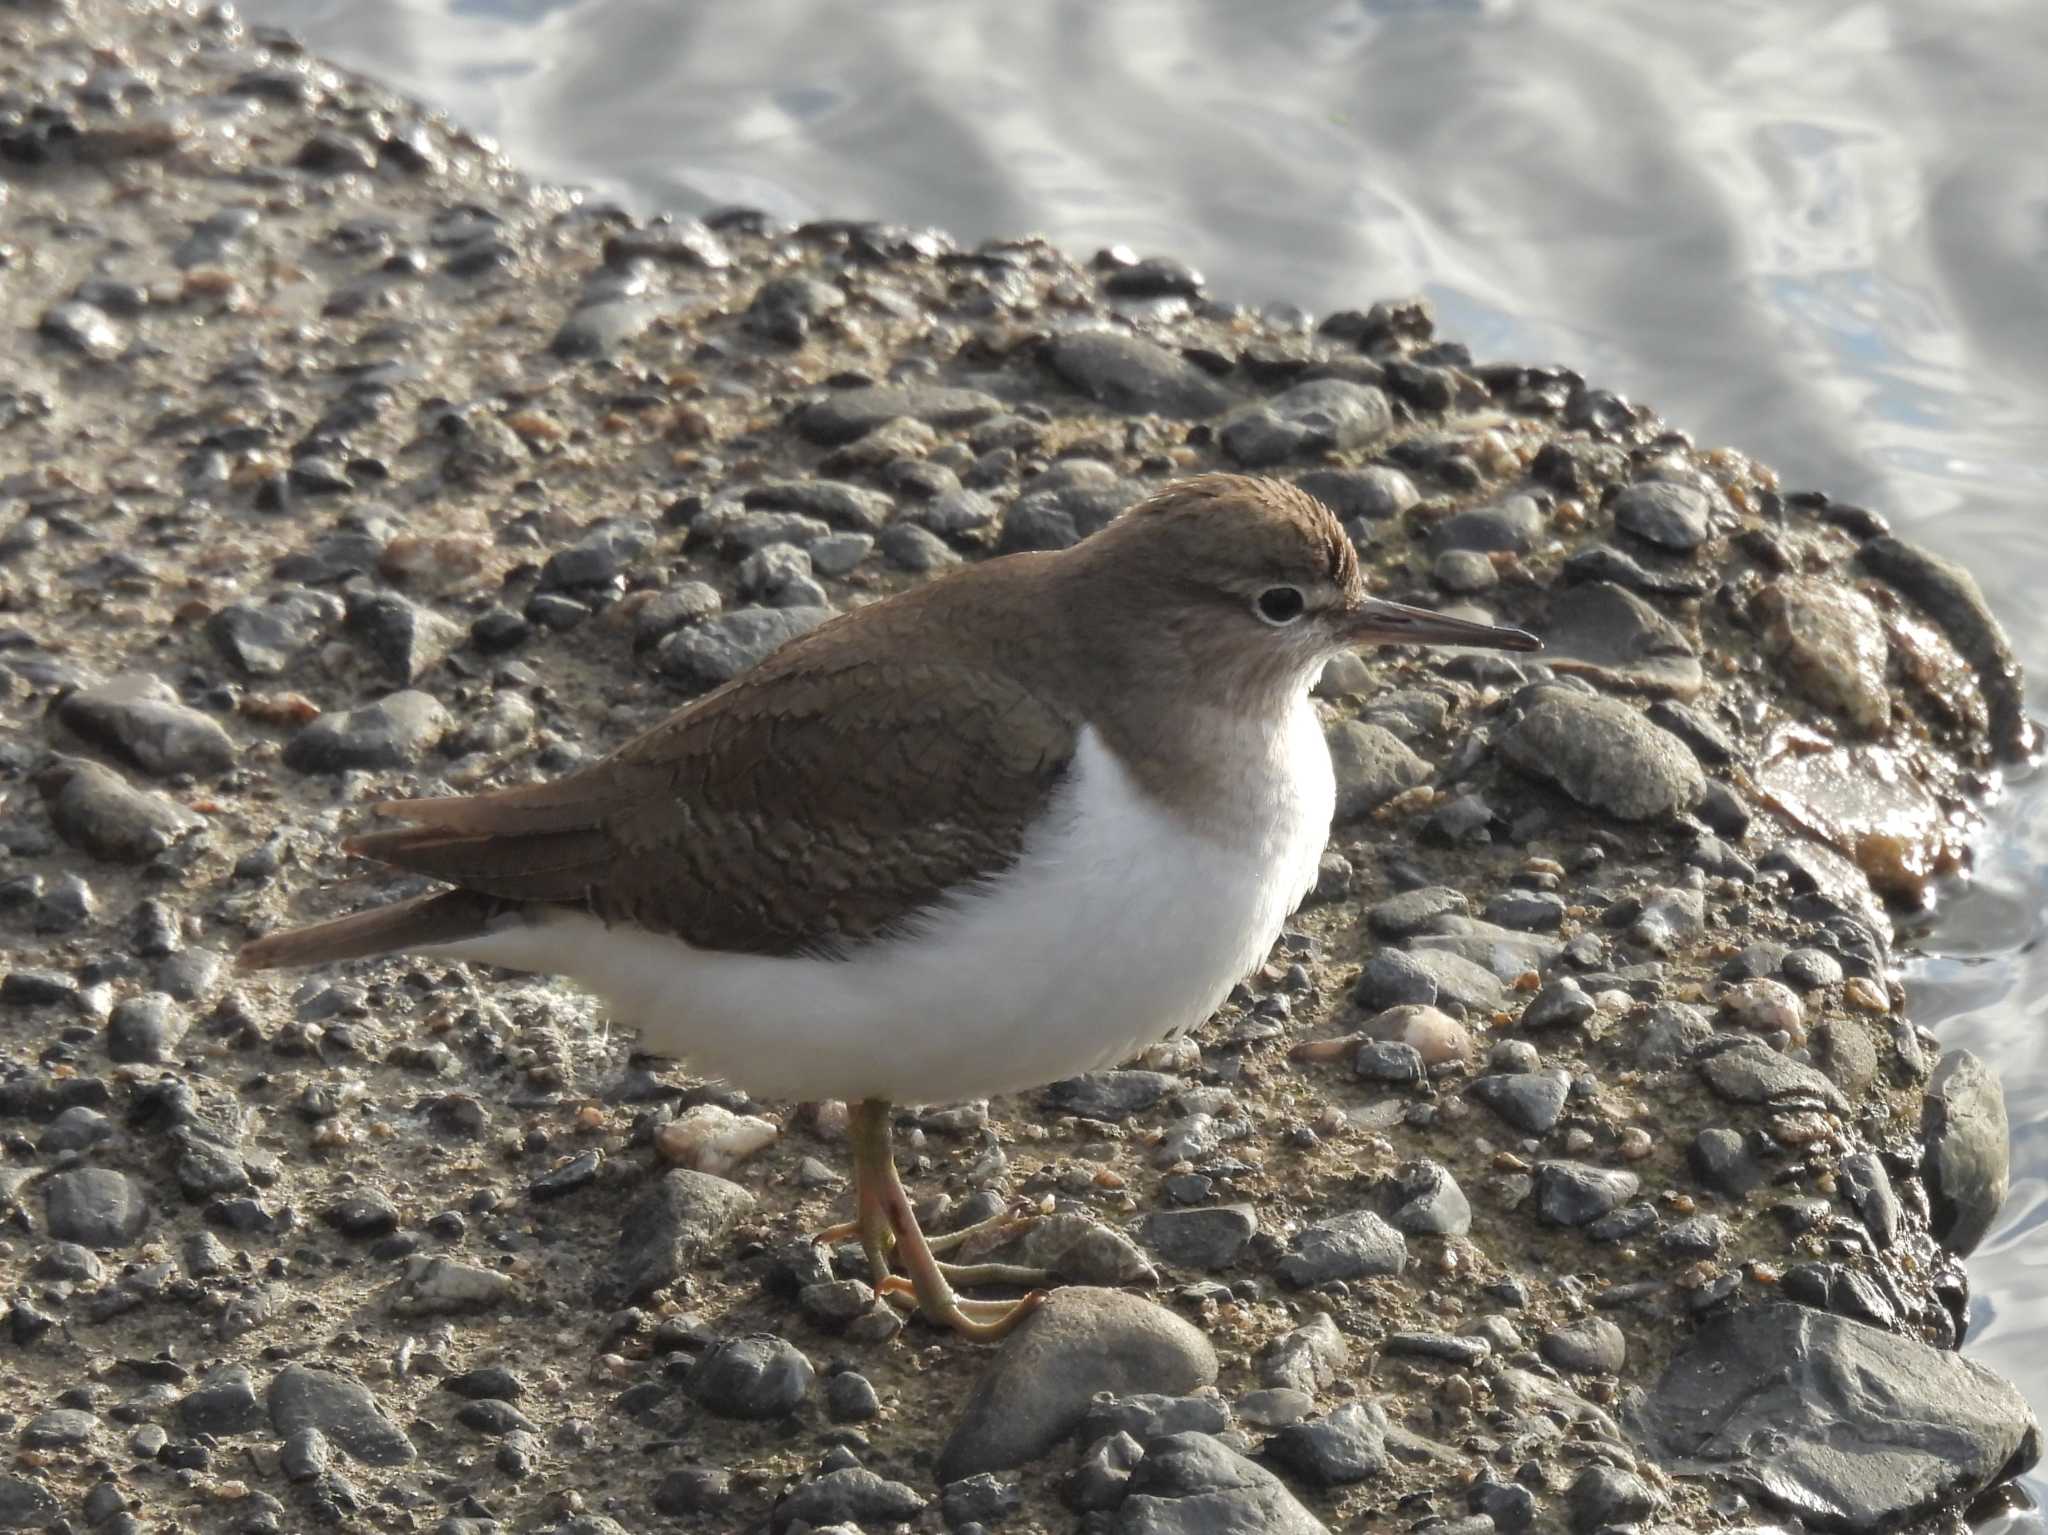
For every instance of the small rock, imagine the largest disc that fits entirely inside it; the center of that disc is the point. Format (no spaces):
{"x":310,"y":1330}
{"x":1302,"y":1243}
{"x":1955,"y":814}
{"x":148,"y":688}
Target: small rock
{"x":714,"y":1140}
{"x":1192,"y":1484}
{"x":665,"y":1231}
{"x":1675,"y":517}
{"x":1532,"y":1103}
{"x":95,"y":1207}
{"x":844,"y":415}
{"x":1207,"y":1239}
{"x":225,"y":1402}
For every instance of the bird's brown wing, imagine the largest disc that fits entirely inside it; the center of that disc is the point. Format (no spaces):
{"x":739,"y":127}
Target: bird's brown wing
{"x":803,"y":808}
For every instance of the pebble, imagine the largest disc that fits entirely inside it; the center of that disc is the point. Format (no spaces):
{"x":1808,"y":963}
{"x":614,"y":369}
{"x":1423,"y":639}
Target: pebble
{"x":909,"y":547}
{"x":713,"y":1140}
{"x":850,"y":1397}
{"x":144,"y":1029}
{"x":262,"y":641}
{"x":1604,"y":754}
{"x":140,"y":717}
{"x":1602,"y":1497}
{"x":1110,"y":1095}
{"x":1829,"y":641}
{"x":85,"y":328}
{"x":1512,"y":526}
{"x":1045,"y":1377}
{"x":67,"y":905}
{"x":403,"y":638}
{"x":1128,"y":373}
{"x":1318,"y":416}
{"x":1602,"y":632}
{"x":719,"y":649}
{"x":1559,"y":1004}
{"x":394,"y":732}
{"x":223,"y":1403}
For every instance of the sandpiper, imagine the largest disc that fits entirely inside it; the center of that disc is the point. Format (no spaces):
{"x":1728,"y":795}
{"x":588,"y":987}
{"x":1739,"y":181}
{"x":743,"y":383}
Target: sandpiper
{"x":1006,"y":827}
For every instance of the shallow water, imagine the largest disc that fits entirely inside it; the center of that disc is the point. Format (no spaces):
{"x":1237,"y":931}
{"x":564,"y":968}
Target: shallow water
{"x":1815,"y":231}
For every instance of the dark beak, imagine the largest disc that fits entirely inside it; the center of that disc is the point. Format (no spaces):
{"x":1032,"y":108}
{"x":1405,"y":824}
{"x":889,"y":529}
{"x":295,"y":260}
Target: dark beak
{"x":1374,"y":622}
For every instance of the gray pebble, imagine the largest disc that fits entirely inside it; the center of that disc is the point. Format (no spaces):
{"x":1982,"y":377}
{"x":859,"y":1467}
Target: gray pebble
{"x":719,"y":649}
{"x":1574,"y":1194}
{"x":98,"y":811}
{"x":756,"y":1376}
{"x":1129,"y":373}
{"x":1593,"y":1346}
{"x":1207,"y":1239}
{"x":141,"y":717}
{"x":1604,"y":754}
{"x":394,"y":732}
{"x":95,"y":1207}
{"x":1372,"y":766}
{"x":343,"y":1409}
{"x":843,"y":415}
{"x":1349,"y":1246}
{"x":1675,"y":517}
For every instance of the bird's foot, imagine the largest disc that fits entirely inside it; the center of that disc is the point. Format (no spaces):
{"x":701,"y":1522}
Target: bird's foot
{"x":1004,"y":1224}
{"x":978,"y":1321}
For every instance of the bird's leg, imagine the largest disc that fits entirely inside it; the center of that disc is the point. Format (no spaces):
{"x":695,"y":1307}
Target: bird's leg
{"x":875,"y":1170}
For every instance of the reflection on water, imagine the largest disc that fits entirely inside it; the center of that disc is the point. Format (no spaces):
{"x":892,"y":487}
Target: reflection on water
{"x":1817,"y":232}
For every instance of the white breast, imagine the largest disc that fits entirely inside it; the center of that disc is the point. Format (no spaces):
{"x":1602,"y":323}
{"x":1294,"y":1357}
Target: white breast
{"x":1118,"y":925}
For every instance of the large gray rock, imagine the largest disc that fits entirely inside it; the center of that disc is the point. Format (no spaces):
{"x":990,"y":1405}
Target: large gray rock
{"x":1968,"y":1155}
{"x":1079,"y":1342}
{"x":1844,"y":1426}
{"x":1605,"y":755}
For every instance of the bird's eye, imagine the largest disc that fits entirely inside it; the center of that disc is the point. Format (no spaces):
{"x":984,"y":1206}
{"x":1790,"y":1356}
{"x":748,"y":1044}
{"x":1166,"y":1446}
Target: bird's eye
{"x":1281,"y":604}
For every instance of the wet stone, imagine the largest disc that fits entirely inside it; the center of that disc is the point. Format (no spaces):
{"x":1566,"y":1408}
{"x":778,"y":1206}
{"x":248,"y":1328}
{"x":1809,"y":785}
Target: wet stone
{"x":1829,"y":642}
{"x":1575,"y":1194}
{"x":720,"y":648}
{"x":1868,"y":1431}
{"x":1966,"y":1162}
{"x":1128,"y":373}
{"x":140,"y":717}
{"x":1043,"y":1381}
{"x":341,"y":1408}
{"x":756,"y":1376}
{"x":394,"y":732}
{"x":1604,"y":754}
{"x":1674,"y":517}
{"x":1350,"y":1246}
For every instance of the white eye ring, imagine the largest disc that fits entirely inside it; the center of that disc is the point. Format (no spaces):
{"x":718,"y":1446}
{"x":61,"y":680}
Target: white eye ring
{"x":1280,"y":605}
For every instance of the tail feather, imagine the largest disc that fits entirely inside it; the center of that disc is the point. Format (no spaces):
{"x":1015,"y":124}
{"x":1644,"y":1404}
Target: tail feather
{"x":420,"y":923}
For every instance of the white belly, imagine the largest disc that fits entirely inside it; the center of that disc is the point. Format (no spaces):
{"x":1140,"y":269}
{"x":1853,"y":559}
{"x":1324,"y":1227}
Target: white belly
{"x":1117,"y":926}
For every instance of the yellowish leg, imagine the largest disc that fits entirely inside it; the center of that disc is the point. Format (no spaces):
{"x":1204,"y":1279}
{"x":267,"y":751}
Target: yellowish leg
{"x":881,"y":1193}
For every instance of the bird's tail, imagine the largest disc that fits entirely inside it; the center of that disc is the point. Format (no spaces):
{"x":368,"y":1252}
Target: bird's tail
{"x":420,"y":923}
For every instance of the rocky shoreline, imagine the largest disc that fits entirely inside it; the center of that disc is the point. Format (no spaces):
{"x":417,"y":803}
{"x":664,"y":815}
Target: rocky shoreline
{"x":1570,"y":1165}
